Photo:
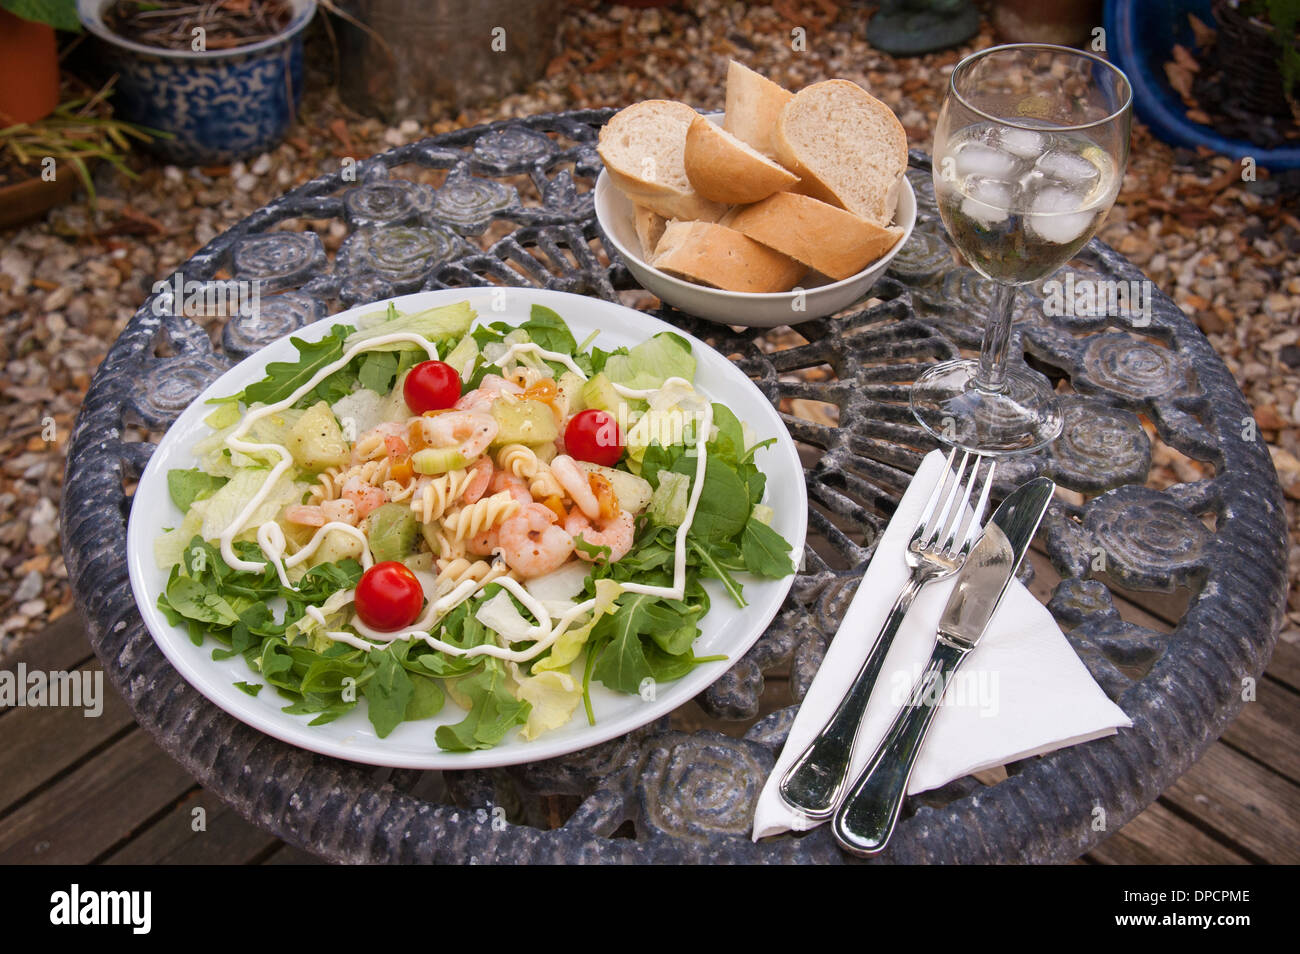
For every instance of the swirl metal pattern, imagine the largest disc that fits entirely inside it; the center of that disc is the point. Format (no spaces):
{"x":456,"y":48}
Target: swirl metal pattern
{"x":278,"y":260}
{"x":1099,"y":447}
{"x":275,"y":317}
{"x":663,"y":794}
{"x":1135,"y":369}
{"x":1151,"y":541}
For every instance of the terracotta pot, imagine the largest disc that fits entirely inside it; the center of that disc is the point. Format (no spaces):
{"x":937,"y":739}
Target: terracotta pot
{"x":1063,"y":22}
{"x":29,"y":70}
{"x":20,"y":201}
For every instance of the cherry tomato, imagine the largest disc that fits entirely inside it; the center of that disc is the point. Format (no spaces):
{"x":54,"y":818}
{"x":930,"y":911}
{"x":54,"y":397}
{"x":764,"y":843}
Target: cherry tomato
{"x":431,"y":386}
{"x":389,"y":597}
{"x":593,"y":436}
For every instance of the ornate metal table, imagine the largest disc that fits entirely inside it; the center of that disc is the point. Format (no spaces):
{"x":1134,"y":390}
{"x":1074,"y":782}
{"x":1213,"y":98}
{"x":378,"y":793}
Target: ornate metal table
{"x":514,"y":207}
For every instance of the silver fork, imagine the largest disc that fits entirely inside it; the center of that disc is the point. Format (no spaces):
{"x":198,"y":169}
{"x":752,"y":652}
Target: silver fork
{"x":814,"y":784}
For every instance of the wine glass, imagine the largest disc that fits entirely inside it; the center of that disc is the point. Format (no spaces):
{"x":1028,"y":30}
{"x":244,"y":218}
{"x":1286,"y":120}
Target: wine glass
{"x":1029,"y":154}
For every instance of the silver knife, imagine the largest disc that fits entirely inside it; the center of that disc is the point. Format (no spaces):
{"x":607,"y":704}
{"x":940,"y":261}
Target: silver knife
{"x":868,"y":815}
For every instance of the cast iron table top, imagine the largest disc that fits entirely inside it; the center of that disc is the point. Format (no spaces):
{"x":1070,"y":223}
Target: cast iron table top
{"x":522,"y":189}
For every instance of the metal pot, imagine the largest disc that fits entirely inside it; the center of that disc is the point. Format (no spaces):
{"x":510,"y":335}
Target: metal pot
{"x":422,"y":58}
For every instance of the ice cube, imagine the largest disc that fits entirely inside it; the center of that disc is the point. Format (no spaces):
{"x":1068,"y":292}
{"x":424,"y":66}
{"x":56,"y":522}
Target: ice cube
{"x":987,"y":200}
{"x":1024,"y":143}
{"x":974,"y":159}
{"x":1055,"y":215}
{"x":1068,"y":169}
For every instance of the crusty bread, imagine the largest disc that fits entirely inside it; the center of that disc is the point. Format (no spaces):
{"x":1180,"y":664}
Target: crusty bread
{"x":726,"y":169}
{"x":715,"y":255}
{"x":642,"y":147}
{"x":754,"y":104}
{"x":650,"y":227}
{"x":846,"y":146}
{"x":824,"y":237}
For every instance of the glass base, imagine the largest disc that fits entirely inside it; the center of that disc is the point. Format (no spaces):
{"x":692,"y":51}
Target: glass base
{"x":1023,"y":417}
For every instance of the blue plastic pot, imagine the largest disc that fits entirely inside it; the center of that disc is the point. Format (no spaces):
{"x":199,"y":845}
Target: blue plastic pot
{"x":1140,"y":37}
{"x":219,"y":105}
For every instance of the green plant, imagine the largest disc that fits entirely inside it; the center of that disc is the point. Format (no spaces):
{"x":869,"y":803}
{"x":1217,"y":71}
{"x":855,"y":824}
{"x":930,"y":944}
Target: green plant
{"x":77,"y":131}
{"x":60,"y":14}
{"x":1283,"y":16}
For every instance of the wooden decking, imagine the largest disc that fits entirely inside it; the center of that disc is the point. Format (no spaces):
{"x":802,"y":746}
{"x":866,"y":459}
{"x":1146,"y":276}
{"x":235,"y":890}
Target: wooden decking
{"x":77,"y":790}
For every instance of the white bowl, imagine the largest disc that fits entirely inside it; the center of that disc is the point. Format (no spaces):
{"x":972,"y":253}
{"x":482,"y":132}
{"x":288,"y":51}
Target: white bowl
{"x":751,"y":309}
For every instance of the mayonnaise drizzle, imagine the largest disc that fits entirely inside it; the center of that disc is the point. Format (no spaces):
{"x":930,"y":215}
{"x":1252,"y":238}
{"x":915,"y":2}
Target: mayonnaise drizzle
{"x":235,"y":442}
{"x":272,"y":541}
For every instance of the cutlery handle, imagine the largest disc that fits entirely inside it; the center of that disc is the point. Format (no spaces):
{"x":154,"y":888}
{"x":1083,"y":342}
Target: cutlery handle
{"x":814,"y":783}
{"x":867,"y":818}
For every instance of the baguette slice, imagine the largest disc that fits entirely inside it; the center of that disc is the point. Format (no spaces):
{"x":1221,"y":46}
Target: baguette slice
{"x":649,"y":229}
{"x":847,"y":147}
{"x":824,"y":237}
{"x":754,"y":104}
{"x":715,"y":255}
{"x":726,"y":169}
{"x":642,"y":147}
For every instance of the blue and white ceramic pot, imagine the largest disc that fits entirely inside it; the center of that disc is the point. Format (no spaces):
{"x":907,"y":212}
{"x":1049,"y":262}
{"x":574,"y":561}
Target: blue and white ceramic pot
{"x":219,"y":105}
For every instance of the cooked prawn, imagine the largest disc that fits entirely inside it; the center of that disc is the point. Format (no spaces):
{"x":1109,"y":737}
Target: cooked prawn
{"x":478,"y":482}
{"x":518,"y":487}
{"x":490,"y":388}
{"x":305,"y":516}
{"x":473,"y":431}
{"x":484,"y":544}
{"x":575,"y":483}
{"x":343,"y":510}
{"x":366,"y":496}
{"x":378,"y":436}
{"x":532,"y":544}
{"x":615,"y":532}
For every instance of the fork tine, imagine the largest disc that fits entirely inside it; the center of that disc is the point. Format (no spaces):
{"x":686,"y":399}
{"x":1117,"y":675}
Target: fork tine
{"x":958,"y":523}
{"x":973,"y":526}
{"x":977,"y":517}
{"x":933,"y":534}
{"x":930,"y":504}
{"x":958,"y":515}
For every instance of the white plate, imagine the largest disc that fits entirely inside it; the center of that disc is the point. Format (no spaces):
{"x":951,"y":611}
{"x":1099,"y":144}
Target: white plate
{"x":818,"y":298}
{"x":725,"y":630}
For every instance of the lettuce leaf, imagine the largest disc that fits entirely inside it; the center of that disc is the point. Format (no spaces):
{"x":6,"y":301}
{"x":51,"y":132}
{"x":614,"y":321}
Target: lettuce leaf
{"x":568,"y":647}
{"x":652,"y":362}
{"x":551,"y":696}
{"x":444,"y":323}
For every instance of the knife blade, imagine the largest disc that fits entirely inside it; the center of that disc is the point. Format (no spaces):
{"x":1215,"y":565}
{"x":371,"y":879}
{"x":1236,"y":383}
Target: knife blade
{"x":866,"y":819}
{"x":993,"y":562}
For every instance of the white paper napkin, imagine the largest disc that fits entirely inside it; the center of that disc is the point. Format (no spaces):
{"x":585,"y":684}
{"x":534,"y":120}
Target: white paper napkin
{"x":1021,"y":692}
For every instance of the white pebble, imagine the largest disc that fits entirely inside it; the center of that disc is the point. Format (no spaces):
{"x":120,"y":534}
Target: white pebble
{"x":29,"y":588}
{"x":32,"y":608}
{"x":44,"y":522}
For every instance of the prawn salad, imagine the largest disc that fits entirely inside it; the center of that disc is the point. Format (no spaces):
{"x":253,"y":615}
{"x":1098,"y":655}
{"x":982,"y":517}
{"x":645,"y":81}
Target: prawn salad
{"x":422,"y":507}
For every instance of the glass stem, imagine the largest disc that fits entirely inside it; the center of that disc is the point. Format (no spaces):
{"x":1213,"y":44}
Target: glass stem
{"x":992,"y":374}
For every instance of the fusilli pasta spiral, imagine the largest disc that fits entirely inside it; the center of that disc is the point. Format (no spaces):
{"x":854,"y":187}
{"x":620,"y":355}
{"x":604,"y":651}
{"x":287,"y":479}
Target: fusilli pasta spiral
{"x":431,"y":497}
{"x":522,"y":461}
{"x":331,"y":481}
{"x":456,"y":571}
{"x":470,"y":521}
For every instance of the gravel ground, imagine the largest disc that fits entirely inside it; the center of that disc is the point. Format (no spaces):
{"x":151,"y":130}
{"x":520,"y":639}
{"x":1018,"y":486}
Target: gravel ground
{"x":1226,"y":250}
